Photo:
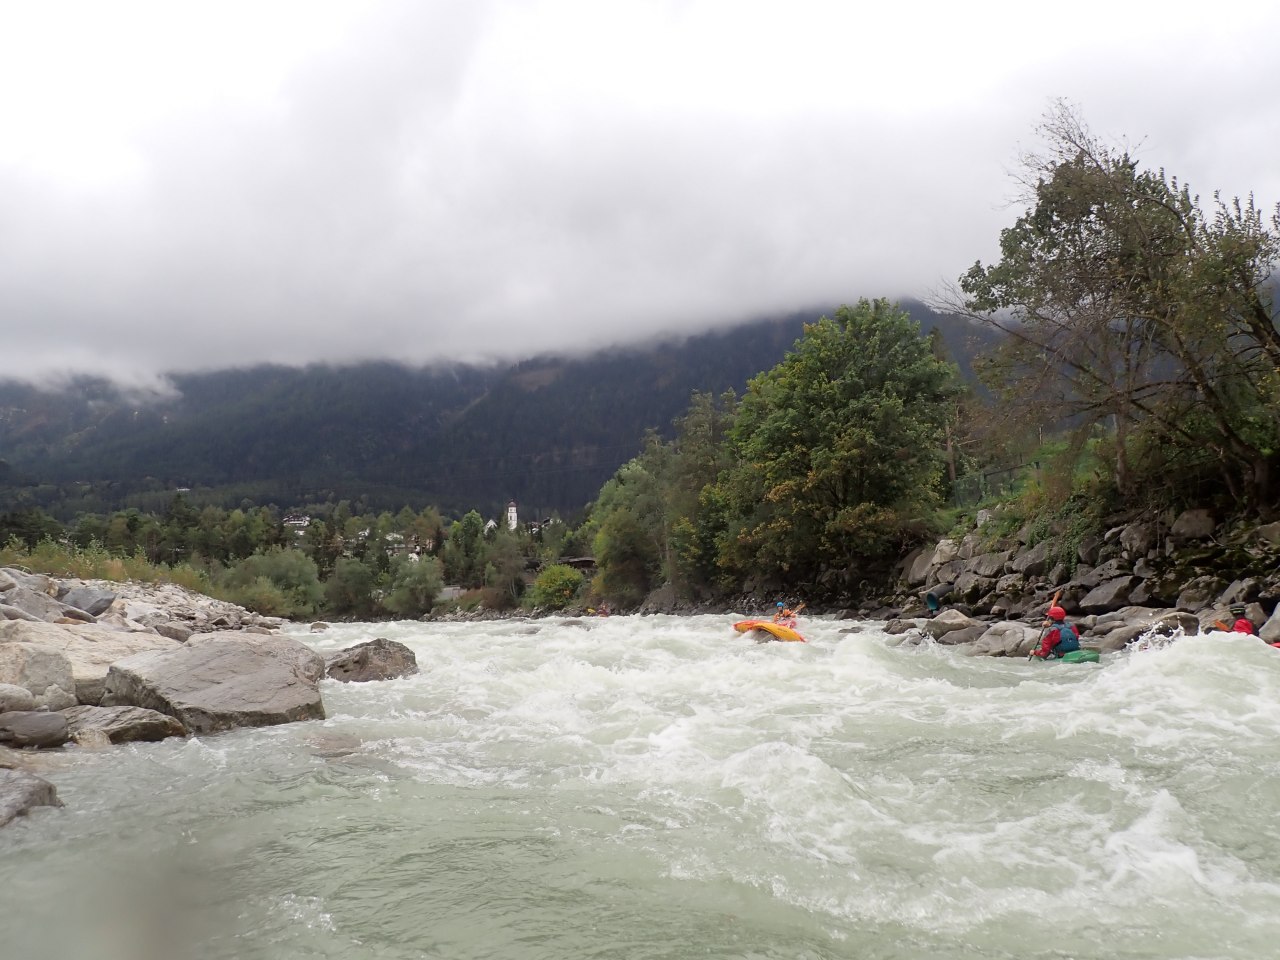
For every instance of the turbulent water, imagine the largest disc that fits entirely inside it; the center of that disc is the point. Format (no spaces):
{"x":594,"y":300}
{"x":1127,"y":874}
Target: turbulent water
{"x":662,"y":787}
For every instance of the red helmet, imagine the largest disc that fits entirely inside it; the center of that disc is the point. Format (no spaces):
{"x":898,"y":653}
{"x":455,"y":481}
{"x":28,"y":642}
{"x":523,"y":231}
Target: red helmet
{"x":1056,"y":613}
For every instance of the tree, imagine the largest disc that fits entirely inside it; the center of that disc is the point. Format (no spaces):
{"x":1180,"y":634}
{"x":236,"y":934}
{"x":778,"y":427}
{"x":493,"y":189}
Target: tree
{"x":631,"y":543}
{"x":838,"y":453}
{"x":349,"y":589}
{"x":1125,"y":304}
{"x":415,"y":584}
{"x":463,"y":554}
{"x":504,"y":569}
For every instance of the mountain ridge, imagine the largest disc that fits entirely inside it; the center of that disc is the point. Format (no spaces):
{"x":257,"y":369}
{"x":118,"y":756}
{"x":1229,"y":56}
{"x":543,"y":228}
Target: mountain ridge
{"x":546,"y":431}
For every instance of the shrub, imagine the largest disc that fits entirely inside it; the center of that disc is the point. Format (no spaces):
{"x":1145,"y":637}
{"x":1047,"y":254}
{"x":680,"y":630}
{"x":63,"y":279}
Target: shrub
{"x":556,"y":587}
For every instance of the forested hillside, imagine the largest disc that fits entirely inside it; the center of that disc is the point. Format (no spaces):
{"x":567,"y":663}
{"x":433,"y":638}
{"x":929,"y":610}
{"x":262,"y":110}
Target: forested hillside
{"x":546,"y":432}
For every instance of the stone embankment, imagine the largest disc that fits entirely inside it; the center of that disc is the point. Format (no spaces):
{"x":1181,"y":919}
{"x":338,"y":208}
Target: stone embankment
{"x":87,"y":664}
{"x":1147,"y":575}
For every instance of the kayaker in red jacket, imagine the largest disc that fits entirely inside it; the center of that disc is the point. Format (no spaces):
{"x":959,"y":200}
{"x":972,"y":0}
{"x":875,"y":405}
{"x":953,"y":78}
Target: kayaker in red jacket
{"x":1060,"y":637}
{"x":1243,"y":624}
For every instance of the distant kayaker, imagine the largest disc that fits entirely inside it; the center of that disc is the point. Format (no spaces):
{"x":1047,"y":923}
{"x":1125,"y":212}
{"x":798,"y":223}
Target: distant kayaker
{"x":1060,"y":637}
{"x":1243,"y":624}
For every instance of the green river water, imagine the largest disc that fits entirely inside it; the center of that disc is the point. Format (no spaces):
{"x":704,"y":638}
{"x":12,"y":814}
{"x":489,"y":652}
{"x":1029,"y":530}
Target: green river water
{"x":662,"y":788}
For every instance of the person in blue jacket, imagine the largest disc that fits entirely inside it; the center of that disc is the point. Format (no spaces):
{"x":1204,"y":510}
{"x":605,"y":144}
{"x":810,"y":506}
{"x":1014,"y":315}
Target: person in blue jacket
{"x":1060,"y":637}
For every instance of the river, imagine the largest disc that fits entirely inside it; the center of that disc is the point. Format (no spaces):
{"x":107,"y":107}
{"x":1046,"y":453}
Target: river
{"x":662,"y":788}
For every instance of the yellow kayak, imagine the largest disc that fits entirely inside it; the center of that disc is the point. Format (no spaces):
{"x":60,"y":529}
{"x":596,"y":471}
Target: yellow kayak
{"x":776,"y":630}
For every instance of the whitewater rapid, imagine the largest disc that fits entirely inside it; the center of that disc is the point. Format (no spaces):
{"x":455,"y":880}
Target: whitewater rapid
{"x":662,"y":787}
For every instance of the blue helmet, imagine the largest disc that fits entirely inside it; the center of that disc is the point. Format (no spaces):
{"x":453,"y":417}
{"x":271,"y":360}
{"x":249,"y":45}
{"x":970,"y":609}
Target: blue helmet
{"x":780,"y":604}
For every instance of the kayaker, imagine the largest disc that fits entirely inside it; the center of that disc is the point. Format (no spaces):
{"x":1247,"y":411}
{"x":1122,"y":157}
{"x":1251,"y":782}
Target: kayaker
{"x":1243,"y":624}
{"x":1060,"y":637}
{"x":784,"y":615}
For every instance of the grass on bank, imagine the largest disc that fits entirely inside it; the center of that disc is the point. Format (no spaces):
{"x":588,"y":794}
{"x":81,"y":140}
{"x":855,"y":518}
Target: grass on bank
{"x":94,"y":562}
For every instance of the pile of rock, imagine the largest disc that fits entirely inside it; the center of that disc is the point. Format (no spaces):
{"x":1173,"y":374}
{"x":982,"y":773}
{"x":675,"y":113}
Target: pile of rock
{"x":1151,"y":572}
{"x":96,"y":663}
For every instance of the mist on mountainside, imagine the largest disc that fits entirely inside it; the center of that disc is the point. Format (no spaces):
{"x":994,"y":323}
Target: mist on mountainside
{"x":546,"y":432}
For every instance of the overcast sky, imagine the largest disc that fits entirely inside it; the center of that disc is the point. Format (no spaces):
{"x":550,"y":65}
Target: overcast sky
{"x":191,"y":185}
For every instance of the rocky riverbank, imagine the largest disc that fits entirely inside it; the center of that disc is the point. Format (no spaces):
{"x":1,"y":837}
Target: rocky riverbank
{"x":88,"y":664}
{"x":1147,"y":575}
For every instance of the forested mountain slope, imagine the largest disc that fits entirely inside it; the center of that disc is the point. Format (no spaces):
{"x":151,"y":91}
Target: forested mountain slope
{"x":546,"y":432}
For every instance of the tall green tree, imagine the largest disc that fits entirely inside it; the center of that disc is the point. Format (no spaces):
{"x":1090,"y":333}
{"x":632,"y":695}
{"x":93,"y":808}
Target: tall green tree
{"x":838,"y":453}
{"x":463,"y":554}
{"x":415,"y":584}
{"x":1126,"y":304}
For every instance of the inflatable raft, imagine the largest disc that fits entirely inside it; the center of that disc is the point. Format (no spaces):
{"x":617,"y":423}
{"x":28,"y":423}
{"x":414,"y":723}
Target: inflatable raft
{"x":775,"y":630}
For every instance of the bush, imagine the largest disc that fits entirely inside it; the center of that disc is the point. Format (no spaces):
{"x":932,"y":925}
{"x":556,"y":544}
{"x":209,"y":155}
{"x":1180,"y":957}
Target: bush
{"x":262,"y":596}
{"x":293,"y":573}
{"x":556,"y":587}
{"x":415,"y":584}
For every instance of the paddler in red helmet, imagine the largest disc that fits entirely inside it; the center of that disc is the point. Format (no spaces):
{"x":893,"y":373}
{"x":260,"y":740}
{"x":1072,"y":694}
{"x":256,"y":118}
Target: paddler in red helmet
{"x":1060,"y":637}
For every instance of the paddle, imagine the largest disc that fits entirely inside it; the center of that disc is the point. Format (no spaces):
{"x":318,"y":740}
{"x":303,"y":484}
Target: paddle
{"x":1221,"y":626}
{"x":1043,"y":630}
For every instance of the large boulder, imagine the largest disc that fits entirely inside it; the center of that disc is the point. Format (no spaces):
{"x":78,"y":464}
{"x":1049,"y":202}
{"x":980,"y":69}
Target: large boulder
{"x":89,"y":649}
{"x":949,"y":621}
{"x":1193,"y":525}
{"x":918,"y":568}
{"x":379,"y":659}
{"x":91,"y":599}
{"x":20,"y":791}
{"x":945,"y":552}
{"x":10,"y":612}
{"x":221,"y":681}
{"x":1111,"y":595}
{"x":33,"y":728}
{"x":1007,"y":638}
{"x":989,"y":565}
{"x":1104,"y":572}
{"x":1270,"y":630}
{"x":1199,"y":593}
{"x":1033,"y":562}
{"x":14,"y":697}
{"x":36,"y":603}
{"x":1137,"y":539}
{"x":122,"y":724}
{"x":42,"y":670}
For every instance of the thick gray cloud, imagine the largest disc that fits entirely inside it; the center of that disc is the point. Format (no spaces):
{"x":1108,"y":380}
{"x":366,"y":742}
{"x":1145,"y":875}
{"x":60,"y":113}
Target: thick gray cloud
{"x":464,"y":180}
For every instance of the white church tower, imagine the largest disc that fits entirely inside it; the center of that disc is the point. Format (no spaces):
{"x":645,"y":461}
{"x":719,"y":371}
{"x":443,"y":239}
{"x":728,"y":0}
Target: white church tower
{"x":512,"y":521}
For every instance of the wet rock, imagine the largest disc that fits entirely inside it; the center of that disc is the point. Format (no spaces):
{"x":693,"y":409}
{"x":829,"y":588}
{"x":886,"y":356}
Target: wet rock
{"x":122,"y":724}
{"x":1270,"y":630}
{"x":223,"y":680}
{"x":20,"y":791}
{"x":379,"y":659}
{"x":33,"y":728}
{"x":949,"y":621}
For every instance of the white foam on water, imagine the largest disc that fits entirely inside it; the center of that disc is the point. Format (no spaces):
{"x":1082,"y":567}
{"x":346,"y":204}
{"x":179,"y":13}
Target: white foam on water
{"x":572,"y":783}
